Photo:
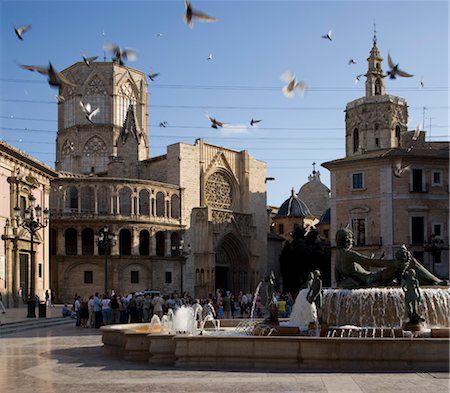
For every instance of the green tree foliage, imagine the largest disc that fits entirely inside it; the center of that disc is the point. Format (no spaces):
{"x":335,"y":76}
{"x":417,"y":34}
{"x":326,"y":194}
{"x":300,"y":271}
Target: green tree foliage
{"x":301,"y":255}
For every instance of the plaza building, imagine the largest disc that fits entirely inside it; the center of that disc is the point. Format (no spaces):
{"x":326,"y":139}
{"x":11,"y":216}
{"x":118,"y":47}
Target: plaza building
{"x":391,"y":188}
{"x":24,"y":261}
{"x":193,"y":219}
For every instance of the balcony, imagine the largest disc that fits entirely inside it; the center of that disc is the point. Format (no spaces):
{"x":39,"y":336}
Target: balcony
{"x":418,"y":188}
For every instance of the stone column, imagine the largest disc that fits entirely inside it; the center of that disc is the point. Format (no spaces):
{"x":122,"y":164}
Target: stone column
{"x":95,"y":200}
{"x":152,"y":242}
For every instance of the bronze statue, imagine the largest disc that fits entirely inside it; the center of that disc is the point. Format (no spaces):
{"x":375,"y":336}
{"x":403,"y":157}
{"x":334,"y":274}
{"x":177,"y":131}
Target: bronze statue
{"x":410,"y":286}
{"x":315,"y":293}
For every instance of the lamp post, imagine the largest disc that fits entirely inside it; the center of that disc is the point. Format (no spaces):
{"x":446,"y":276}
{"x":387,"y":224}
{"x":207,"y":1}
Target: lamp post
{"x":105,"y":241}
{"x":34,"y":219}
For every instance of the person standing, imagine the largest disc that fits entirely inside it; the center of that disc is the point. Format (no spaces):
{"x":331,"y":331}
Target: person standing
{"x":106,"y":309}
{"x":157,"y":303}
{"x":48,"y":300}
{"x":97,"y":311}
{"x":91,"y":319}
{"x":226,"y":304}
{"x":77,"y":309}
{"x":115,"y":309}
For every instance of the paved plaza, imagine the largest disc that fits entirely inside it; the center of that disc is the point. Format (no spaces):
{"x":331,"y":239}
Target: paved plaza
{"x":69,"y":359}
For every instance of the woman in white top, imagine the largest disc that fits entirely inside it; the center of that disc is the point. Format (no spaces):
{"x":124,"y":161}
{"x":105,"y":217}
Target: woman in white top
{"x":106,"y":310}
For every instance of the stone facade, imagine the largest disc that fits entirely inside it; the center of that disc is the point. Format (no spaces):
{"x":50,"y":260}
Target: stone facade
{"x":385,"y":208}
{"x":193,"y":219}
{"x":20,"y":177}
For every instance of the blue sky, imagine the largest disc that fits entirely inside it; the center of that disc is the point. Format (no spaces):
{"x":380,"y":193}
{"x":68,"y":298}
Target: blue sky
{"x":253,"y":43}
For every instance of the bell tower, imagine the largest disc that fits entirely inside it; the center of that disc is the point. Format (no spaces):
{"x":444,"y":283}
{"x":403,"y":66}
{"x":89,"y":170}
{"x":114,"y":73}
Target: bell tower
{"x":378,"y":120}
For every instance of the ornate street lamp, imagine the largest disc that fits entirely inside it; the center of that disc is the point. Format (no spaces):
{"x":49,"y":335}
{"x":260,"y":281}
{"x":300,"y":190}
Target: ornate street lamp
{"x":105,"y":241}
{"x":34,"y":219}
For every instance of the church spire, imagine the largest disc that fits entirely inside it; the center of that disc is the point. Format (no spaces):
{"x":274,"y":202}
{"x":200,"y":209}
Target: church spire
{"x":374,"y":75}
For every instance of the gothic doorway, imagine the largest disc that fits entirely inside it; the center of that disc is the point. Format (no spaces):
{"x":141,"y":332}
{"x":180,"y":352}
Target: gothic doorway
{"x":232,"y":264}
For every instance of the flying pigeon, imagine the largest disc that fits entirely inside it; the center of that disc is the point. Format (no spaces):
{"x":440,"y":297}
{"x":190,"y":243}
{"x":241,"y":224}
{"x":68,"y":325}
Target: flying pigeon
{"x":86,"y":108}
{"x":20,"y":30}
{"x":351,"y":61}
{"x":126,"y":54}
{"x":292,"y":84}
{"x":55,"y":78}
{"x":193,"y":14}
{"x":417,"y":132}
{"x":357,"y":78}
{"x":152,"y":75}
{"x":328,"y":36}
{"x":215,"y":123}
{"x":209,"y":57}
{"x":60,"y":98}
{"x":163,"y":124}
{"x":253,"y":122}
{"x":89,"y":60}
{"x":395,"y":70}
{"x":399,"y":170}
{"x":422,"y":85}
{"x":159,"y":34}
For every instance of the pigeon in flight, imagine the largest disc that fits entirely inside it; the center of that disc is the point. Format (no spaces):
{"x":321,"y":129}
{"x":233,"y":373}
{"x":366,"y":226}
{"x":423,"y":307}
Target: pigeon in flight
{"x":399,"y":170}
{"x":215,"y":123}
{"x":87,"y":110}
{"x":292,"y":84}
{"x":159,"y":34}
{"x":209,"y":57}
{"x":125,"y":54}
{"x":60,"y":98}
{"x":328,"y":36}
{"x":358,"y":78}
{"x":21,"y":30}
{"x":417,"y":132}
{"x":194,"y":14}
{"x":351,"y":61}
{"x":163,"y":124}
{"x":55,"y":78}
{"x":253,"y":122}
{"x":395,"y":70}
{"x":152,"y":75}
{"x":89,"y":60}
{"x":422,"y":85}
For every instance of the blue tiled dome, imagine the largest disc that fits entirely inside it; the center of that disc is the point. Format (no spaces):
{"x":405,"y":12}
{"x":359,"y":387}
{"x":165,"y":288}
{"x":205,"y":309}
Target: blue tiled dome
{"x":293,"y":207}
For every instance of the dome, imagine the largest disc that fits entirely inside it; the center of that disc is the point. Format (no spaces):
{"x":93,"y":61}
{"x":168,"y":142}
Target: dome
{"x":315,"y":194}
{"x":293,"y":207}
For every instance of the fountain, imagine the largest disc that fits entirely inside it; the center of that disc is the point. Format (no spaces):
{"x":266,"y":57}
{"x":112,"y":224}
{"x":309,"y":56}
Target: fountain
{"x":362,"y":328}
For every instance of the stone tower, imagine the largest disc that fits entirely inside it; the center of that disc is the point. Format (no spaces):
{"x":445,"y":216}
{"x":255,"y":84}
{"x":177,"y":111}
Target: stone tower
{"x":120,"y":93}
{"x":377,"y":120}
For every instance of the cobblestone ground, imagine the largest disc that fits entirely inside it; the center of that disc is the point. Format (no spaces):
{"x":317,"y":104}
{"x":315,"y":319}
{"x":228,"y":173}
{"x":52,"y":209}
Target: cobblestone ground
{"x":69,"y":359}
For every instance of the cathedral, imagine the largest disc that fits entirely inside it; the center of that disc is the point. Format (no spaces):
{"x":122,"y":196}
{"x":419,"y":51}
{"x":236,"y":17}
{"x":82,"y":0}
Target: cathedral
{"x":391,"y":188}
{"x":193,"y":219}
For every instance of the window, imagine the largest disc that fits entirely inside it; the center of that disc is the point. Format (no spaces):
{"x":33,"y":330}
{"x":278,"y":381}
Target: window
{"x":168,"y":278}
{"x":397,"y":134}
{"x":436,"y":178}
{"x":359,"y":230}
{"x":125,"y":242}
{"x":326,"y":233}
{"x":417,"y":180}
{"x":417,"y":230}
{"x":135,"y":277}
{"x":88,"y":277}
{"x":144,"y":242}
{"x":358,"y":181}
{"x":280,"y":229}
{"x":40,"y":270}
{"x":355,"y":140}
{"x":87,"y":241}
{"x":71,"y":241}
{"x":160,"y":243}
{"x":437,"y":230}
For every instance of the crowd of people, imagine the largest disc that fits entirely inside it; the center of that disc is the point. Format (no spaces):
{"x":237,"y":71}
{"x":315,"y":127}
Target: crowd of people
{"x":112,"y":308}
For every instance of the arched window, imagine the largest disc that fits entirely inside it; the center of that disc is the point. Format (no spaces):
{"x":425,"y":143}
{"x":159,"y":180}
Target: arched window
{"x":175,"y":244}
{"x":219,"y":191}
{"x":87,"y":242}
{"x":160,"y":204}
{"x":87,"y":199}
{"x":175,"y":206}
{"x":125,"y":201}
{"x":160,"y":243}
{"x":94,"y":156}
{"x":67,"y":156}
{"x":144,"y":203}
{"x":377,"y":87}
{"x":103,"y":199}
{"x":398,"y":135}
{"x":355,"y":140}
{"x":144,"y":242}
{"x":72,"y":199}
{"x":71,"y":241}
{"x":125,"y":242}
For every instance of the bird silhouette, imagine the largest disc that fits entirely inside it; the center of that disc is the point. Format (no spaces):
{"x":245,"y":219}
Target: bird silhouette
{"x":358,"y":78}
{"x":292,"y":85}
{"x":253,"y":122}
{"x":209,"y":57}
{"x":119,"y":54}
{"x":422,"y":85}
{"x":351,"y":61}
{"x":192,"y":14}
{"x":60,"y":98}
{"x":21,"y":30}
{"x":395,"y":70}
{"x":399,"y":170}
{"x":328,"y":36}
{"x":417,"y":132}
{"x":87,"y":110}
{"x":89,"y":60}
{"x":159,"y":34}
{"x":215,"y":123}
{"x":55,"y":79}
{"x":152,"y":75}
{"x":163,"y":124}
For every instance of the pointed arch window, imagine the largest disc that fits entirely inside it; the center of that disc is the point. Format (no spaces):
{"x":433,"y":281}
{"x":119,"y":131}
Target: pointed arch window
{"x":355,"y":140}
{"x":94,"y":156}
{"x":398,"y":135}
{"x":377,"y":87}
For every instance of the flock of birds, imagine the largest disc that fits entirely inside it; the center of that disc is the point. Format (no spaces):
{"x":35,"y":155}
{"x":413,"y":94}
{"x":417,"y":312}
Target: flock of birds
{"x":57,"y":80}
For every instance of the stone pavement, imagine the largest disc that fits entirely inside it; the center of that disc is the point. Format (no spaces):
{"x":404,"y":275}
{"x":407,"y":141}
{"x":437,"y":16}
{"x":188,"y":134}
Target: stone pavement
{"x":20,"y":314}
{"x":71,"y":360}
